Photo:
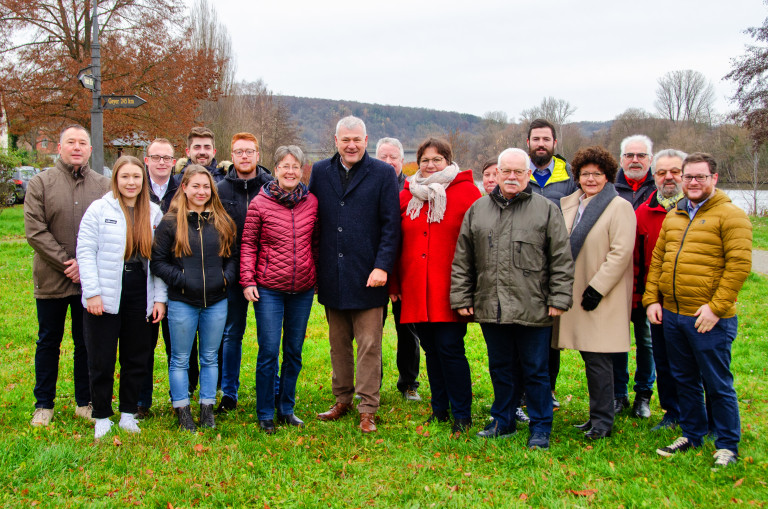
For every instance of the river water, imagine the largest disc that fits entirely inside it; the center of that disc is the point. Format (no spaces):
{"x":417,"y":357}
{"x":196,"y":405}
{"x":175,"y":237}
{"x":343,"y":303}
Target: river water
{"x":744,"y":199}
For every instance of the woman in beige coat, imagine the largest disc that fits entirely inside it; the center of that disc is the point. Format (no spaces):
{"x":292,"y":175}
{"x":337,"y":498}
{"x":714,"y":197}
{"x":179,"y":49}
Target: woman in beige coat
{"x":601,"y":226}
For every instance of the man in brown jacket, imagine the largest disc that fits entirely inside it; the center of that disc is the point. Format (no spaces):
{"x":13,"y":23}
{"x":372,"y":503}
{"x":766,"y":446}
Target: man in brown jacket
{"x":701,"y":259}
{"x":55,"y":203}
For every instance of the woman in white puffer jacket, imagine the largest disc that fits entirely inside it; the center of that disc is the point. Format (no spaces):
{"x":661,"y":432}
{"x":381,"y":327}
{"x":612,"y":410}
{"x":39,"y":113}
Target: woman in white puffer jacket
{"x":114,"y":245}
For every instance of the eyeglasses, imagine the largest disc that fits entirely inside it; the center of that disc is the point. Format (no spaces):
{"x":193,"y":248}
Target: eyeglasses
{"x":286,"y":167}
{"x":240,"y":152}
{"x":507,"y":173}
{"x":663,"y":173}
{"x":157,"y":159}
{"x":595,"y":174}
{"x":435,"y":160}
{"x":632,"y":155}
{"x":699,"y":178}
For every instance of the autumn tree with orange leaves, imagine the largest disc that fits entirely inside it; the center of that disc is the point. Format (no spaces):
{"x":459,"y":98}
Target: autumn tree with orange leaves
{"x":145,"y":51}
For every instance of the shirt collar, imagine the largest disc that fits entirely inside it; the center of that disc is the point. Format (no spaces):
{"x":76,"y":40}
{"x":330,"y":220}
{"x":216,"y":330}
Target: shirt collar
{"x":546,"y":170}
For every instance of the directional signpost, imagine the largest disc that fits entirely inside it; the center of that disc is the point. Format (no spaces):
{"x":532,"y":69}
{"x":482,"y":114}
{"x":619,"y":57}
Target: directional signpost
{"x":87,"y":80}
{"x":122,"y":101}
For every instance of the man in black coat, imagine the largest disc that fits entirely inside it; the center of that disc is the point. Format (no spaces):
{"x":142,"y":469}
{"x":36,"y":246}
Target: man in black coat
{"x":243,"y":180}
{"x":359,"y":222}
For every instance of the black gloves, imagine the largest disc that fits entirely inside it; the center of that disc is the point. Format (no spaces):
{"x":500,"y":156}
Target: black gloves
{"x":590,"y":299}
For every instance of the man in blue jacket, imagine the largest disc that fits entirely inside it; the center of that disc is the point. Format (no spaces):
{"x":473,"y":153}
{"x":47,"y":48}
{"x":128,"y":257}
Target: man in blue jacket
{"x":359,"y":222}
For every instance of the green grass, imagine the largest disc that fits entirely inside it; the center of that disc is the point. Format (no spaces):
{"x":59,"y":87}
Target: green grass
{"x":12,"y":222}
{"x":332,"y":464}
{"x":759,"y":232}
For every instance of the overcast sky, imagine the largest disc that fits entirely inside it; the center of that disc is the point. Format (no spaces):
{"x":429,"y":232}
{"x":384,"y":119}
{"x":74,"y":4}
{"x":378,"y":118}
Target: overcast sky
{"x":483,"y":55}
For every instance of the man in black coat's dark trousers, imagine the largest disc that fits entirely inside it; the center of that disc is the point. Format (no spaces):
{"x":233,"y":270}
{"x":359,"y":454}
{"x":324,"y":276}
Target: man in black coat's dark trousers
{"x":359,"y":221}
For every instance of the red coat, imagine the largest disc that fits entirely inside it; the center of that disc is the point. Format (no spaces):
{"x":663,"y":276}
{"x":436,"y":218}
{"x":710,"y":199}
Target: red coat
{"x":279,"y":248}
{"x":649,"y":216}
{"x":423,"y":275}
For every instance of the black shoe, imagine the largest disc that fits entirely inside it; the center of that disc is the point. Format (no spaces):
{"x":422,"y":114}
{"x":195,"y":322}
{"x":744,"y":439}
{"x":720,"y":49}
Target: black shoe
{"x":461,"y":425}
{"x":437,"y":417}
{"x":642,"y":406}
{"x":555,"y":402}
{"x":665,"y":423}
{"x":206,"y":416}
{"x":290,"y":419}
{"x":493,"y":430}
{"x":585,"y":426}
{"x":538,"y":440}
{"x":268,"y":426}
{"x":186,"y":422}
{"x":142,"y":412}
{"x":620,"y":404}
{"x":597,"y":434}
{"x":225,"y":405}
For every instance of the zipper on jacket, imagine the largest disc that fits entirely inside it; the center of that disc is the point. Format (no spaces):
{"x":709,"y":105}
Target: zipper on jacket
{"x":490,"y":239}
{"x":293,"y":277}
{"x":674,"y":270}
{"x":202,"y":254}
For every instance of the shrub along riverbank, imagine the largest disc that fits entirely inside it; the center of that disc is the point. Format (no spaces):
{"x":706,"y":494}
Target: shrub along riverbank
{"x":332,"y":464}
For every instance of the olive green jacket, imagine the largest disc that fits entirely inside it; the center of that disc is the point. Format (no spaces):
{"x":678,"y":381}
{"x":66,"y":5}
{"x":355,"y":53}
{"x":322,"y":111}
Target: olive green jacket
{"x":512,"y":260}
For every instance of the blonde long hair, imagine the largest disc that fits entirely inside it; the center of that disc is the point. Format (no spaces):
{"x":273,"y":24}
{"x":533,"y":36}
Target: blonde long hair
{"x":138,"y":239}
{"x":221,"y":220}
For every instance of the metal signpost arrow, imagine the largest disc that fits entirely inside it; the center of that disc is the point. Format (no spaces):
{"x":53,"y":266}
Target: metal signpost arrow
{"x":122,"y":101}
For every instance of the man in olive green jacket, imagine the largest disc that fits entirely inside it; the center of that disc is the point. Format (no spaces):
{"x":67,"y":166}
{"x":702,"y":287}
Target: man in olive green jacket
{"x":55,"y":203}
{"x":701,"y":260}
{"x":513,"y":271}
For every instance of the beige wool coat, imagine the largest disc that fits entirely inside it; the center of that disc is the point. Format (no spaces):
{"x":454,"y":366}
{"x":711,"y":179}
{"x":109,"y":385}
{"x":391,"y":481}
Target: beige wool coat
{"x":605,"y":263}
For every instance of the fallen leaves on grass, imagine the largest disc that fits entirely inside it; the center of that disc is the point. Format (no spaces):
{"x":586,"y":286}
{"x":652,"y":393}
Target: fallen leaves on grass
{"x":583,"y":493}
{"x":117,"y":442}
{"x":738,"y":483}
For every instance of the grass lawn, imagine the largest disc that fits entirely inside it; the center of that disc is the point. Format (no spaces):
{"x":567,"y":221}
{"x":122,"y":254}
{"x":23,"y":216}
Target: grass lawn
{"x":333,"y":464}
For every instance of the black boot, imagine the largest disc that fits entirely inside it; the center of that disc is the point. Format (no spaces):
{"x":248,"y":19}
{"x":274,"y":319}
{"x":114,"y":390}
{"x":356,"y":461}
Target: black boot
{"x":185,"y":419}
{"x":642,"y":406}
{"x":206,"y":416}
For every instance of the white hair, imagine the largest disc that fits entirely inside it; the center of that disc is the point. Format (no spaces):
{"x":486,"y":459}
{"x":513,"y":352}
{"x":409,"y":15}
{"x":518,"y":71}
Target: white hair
{"x":641,"y":138}
{"x":669,"y":152}
{"x":391,"y":141}
{"x":350,"y":122}
{"x":518,"y":151}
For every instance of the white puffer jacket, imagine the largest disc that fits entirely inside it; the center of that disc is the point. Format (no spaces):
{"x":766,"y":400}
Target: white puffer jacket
{"x":101,"y":253}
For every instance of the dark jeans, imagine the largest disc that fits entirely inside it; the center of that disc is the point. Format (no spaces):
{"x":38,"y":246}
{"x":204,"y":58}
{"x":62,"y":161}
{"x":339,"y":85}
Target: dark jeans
{"x":695,"y":358}
{"x":51,"y":315}
{"x":231,"y":352}
{"x":518,"y":354}
{"x":447,"y":367}
{"x":279,"y":313}
{"x":145,"y":394}
{"x":645,"y":374}
{"x":554,"y":364}
{"x":665,"y":383}
{"x":599,"y":368}
{"x":407,"y":351}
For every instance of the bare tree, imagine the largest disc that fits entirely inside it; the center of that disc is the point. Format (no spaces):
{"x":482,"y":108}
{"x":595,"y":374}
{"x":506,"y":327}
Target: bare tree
{"x":685,"y":96}
{"x":557,"y":111}
{"x":209,"y":35}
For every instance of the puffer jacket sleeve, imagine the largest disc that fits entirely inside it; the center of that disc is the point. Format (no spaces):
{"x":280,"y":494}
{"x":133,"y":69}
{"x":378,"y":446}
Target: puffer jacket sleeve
{"x":231,"y":264}
{"x":560,"y":261}
{"x":737,"y":249}
{"x":160,"y":289}
{"x":87,"y":246}
{"x":463,"y":268}
{"x":162,"y":263}
{"x":249,"y":248}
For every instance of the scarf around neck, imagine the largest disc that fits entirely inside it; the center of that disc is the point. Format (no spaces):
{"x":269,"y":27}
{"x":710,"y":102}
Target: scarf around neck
{"x":431,"y":190}
{"x":283,"y":197}
{"x":592,"y":213}
{"x":668,"y":203}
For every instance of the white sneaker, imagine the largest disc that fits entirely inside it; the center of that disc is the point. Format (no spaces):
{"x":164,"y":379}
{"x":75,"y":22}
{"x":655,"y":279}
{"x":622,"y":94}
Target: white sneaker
{"x":723,"y":458}
{"x":102,"y":428}
{"x":129,"y":423}
{"x":85,"y":412}
{"x":41,"y":417}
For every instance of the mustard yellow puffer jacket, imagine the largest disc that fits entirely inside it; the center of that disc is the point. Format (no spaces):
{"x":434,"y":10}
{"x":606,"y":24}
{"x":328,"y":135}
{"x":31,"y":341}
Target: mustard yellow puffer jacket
{"x":704,"y":261}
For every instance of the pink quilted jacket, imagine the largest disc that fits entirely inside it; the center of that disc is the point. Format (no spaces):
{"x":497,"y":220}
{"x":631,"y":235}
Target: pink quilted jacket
{"x":280,"y":245}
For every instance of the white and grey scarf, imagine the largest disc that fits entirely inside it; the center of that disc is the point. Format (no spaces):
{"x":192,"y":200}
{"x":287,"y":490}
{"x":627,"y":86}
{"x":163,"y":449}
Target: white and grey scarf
{"x":432,"y":190}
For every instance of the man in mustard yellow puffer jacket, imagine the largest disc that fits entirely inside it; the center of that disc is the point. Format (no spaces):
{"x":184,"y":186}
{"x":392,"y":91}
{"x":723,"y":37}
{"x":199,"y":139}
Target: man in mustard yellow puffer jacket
{"x":701,"y":259}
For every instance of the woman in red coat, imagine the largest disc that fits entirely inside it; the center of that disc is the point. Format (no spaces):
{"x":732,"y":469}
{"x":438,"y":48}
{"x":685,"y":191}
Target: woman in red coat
{"x":432,"y":207}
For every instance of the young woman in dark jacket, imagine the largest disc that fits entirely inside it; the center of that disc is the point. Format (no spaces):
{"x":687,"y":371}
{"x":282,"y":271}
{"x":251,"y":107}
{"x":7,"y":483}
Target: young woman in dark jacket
{"x":195,"y":254}
{"x":277,"y":272}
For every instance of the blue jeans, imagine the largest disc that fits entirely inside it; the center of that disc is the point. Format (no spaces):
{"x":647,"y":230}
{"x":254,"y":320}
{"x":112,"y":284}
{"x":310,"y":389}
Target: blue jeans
{"x":184,"y":320}
{"x":447,"y":367}
{"x":645,"y":374}
{"x":696,"y":358}
{"x":232,"y":343}
{"x":519,"y":355}
{"x":665,"y":383}
{"x":51,"y":315}
{"x":279,"y":313}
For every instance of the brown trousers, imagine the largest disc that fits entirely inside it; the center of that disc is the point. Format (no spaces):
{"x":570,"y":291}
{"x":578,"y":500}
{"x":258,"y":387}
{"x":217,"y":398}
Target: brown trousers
{"x":363,"y":326}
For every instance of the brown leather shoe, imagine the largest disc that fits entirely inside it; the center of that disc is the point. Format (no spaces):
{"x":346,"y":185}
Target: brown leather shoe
{"x":367,"y":424}
{"x":337,"y":411}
